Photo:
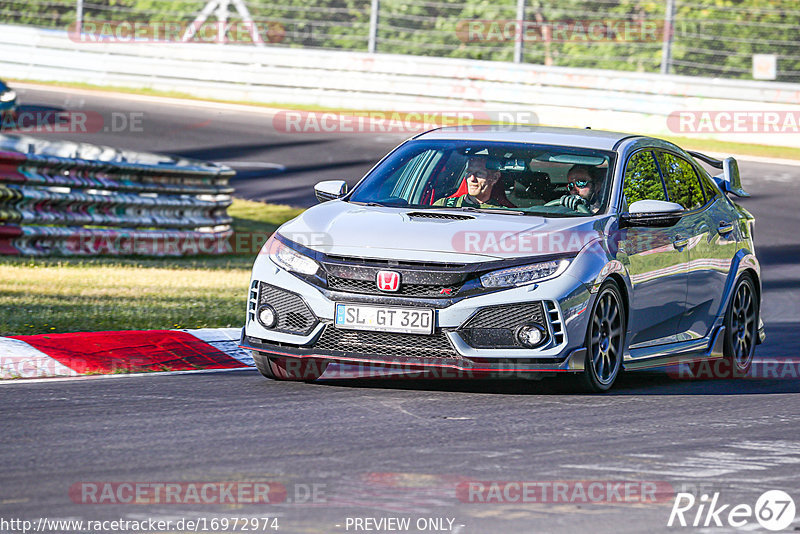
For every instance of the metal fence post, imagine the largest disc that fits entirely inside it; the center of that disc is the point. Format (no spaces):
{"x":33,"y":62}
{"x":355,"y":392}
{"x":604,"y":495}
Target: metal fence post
{"x":221,"y":9}
{"x":518,"y":50}
{"x":372,"y":43}
{"x":79,"y":17}
{"x":669,"y":32}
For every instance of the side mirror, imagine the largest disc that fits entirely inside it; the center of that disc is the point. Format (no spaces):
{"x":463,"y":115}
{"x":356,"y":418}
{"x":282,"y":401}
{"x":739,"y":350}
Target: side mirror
{"x":651,"y":214}
{"x":330,"y":190}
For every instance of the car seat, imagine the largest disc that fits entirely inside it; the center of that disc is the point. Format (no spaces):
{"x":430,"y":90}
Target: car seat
{"x":498,"y":193}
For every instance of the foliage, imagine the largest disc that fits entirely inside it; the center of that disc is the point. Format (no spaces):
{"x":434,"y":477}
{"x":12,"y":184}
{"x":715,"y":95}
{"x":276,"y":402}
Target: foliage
{"x":682,"y":184}
{"x":642,"y":181}
{"x":709,"y":37}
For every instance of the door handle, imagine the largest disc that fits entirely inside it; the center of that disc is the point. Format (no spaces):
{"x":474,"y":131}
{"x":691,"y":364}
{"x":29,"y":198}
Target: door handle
{"x":680,"y":242}
{"x":725,"y":227}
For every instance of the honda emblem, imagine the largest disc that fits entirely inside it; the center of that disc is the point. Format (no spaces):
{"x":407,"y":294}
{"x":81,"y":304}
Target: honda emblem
{"x":388,"y":280}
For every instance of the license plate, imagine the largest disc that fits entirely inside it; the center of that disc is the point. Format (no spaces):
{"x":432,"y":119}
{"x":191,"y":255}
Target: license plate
{"x":384,"y":318}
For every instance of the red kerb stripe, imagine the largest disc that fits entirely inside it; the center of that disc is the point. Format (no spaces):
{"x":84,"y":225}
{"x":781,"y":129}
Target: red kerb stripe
{"x":131,"y":351}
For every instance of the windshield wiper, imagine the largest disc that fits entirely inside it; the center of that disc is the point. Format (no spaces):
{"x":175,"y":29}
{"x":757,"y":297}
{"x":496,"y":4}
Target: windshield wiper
{"x":371,"y":204}
{"x":550,"y":214}
{"x":490,"y":210}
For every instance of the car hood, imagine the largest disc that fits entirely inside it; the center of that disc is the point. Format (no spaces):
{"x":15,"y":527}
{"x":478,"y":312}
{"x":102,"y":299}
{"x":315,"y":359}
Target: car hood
{"x":345,"y":229}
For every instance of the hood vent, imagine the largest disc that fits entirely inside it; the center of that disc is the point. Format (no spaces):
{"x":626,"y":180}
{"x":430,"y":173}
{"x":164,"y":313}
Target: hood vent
{"x":438,"y":215}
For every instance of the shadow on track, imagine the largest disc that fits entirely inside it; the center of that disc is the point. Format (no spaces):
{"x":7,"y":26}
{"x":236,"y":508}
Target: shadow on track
{"x":637,"y":383}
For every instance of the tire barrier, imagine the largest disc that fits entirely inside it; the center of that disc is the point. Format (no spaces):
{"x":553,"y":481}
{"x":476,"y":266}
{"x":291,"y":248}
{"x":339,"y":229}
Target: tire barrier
{"x":60,"y":198}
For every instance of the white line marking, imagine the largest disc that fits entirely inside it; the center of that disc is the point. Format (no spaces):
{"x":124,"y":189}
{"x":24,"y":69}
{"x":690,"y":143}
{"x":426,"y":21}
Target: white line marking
{"x":21,"y":360}
{"x":253,"y":164}
{"x":121,"y":375}
{"x":199,"y":103}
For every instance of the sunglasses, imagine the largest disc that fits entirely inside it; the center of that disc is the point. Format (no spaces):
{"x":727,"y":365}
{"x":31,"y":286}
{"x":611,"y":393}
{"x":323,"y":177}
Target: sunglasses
{"x":578,"y":183}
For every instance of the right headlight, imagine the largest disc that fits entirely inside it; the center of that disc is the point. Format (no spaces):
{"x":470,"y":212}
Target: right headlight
{"x":524,"y":274}
{"x":289,"y":259}
{"x":8,"y":96}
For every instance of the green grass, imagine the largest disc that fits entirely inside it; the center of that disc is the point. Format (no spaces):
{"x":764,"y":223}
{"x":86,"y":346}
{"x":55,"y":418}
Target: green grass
{"x":689,"y":143}
{"x":51,"y":295}
{"x":735,"y":149}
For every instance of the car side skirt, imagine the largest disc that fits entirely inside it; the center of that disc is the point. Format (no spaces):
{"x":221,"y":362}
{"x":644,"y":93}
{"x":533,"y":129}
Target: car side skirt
{"x":677,"y":353}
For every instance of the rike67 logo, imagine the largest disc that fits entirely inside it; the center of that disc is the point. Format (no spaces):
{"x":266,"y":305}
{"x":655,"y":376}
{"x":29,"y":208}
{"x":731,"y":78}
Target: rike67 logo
{"x":774,"y":510}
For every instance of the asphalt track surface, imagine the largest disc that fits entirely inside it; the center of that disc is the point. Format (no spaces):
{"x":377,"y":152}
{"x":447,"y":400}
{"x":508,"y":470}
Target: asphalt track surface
{"x":399,"y":448}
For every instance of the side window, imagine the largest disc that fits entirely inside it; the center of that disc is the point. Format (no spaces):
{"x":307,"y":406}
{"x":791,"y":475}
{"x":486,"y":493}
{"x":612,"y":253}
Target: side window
{"x":409,"y":180}
{"x":709,"y":187}
{"x":683,"y":186}
{"x":642,"y":181}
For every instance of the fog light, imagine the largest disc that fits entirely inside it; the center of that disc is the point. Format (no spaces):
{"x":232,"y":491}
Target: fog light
{"x":530,"y":335}
{"x":267,"y":316}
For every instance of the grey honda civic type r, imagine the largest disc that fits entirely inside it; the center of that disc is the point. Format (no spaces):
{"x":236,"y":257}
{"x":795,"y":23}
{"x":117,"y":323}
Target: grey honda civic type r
{"x":514,"y":251}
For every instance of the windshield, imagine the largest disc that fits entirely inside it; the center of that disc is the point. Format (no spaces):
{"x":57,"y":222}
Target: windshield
{"x":476,"y":175}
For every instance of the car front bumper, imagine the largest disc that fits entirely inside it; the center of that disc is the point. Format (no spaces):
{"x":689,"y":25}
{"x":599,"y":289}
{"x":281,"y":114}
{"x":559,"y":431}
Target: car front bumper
{"x":563,"y":302}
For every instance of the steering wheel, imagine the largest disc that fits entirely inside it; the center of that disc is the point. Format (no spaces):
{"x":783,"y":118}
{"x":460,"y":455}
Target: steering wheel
{"x":580,"y":207}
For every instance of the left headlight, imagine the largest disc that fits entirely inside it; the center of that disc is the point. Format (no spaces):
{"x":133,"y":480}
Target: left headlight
{"x":8,"y":96}
{"x":289,"y":259}
{"x":524,"y":274}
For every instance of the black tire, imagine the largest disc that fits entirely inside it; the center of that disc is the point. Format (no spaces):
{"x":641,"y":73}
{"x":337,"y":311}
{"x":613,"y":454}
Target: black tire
{"x":605,"y":340}
{"x":740,"y":336}
{"x":741,"y":327}
{"x":289,"y":369}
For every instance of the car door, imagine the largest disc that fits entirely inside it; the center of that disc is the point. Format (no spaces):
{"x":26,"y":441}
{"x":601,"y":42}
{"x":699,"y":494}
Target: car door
{"x":710,"y":226}
{"x":656,"y":262}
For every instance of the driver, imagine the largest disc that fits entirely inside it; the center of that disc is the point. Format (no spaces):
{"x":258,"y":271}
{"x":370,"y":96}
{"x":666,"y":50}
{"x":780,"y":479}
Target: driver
{"x":481,"y":178}
{"x":583,"y":188}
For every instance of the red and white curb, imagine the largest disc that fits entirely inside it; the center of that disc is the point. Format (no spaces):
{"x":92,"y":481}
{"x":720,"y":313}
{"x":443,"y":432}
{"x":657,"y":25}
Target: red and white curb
{"x":138,"y":352}
{"x":125,"y":352}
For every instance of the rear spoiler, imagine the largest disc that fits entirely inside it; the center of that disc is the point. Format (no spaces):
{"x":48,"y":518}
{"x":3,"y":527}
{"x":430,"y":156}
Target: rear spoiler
{"x":729,"y":181}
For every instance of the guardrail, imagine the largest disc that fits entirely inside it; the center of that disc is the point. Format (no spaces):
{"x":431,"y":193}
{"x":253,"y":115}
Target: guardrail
{"x":602,"y":99}
{"x":59,"y":198}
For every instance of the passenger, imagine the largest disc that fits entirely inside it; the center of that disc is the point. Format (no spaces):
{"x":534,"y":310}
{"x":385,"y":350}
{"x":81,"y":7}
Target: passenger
{"x":480,"y":182}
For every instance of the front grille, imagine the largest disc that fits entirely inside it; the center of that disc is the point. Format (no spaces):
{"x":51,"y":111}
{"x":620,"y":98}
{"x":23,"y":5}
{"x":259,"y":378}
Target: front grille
{"x":386,"y":343}
{"x":490,"y":338}
{"x":394,"y":264}
{"x":369,"y":287}
{"x":495,"y":327}
{"x":445,"y":216}
{"x":294,"y":315}
{"x":507,"y":316}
